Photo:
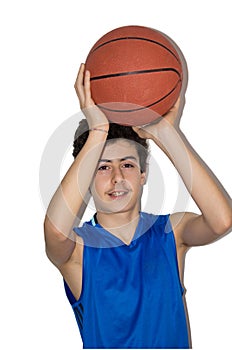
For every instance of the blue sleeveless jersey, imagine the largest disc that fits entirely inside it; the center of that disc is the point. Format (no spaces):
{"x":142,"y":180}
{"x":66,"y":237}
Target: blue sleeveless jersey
{"x":131,"y":294}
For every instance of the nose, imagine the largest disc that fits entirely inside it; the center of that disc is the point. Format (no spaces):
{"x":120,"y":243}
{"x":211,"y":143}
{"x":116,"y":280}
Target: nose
{"x":117,"y":176}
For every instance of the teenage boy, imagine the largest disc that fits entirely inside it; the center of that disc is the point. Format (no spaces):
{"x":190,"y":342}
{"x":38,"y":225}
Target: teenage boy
{"x":123,"y":270}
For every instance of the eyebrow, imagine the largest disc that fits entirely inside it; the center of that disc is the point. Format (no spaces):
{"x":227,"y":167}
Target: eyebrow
{"x":121,"y":160}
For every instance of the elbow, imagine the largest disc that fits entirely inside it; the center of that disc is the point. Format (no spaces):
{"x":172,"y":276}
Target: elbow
{"x":224,"y":225}
{"x":50,"y":230}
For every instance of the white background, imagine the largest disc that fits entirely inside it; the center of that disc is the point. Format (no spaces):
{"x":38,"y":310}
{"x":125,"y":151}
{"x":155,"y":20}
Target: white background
{"x":42,"y":45}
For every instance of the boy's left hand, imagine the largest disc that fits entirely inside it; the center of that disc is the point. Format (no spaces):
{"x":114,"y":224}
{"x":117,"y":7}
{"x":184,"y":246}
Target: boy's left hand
{"x":152,"y":130}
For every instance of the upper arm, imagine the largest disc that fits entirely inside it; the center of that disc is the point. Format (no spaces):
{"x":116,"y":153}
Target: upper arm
{"x":191,"y":229}
{"x":59,"y":248}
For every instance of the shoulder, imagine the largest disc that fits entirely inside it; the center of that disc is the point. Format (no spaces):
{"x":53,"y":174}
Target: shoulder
{"x":157,"y":219}
{"x":158,"y":223}
{"x":85,"y":232}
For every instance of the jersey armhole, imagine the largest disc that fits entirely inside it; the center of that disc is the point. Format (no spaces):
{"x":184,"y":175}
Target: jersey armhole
{"x":69,"y":294}
{"x":71,"y":298}
{"x":169,"y":230}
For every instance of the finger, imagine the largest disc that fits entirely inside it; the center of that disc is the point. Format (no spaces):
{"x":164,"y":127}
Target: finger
{"x":173,"y":110}
{"x":136,"y":128}
{"x":139,"y":131}
{"x":87,"y":89}
{"x":80,"y":75}
{"x":79,"y":83}
{"x":176,"y":105}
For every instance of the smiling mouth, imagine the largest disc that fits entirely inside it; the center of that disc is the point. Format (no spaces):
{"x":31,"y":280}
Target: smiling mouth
{"x":118,"y":194}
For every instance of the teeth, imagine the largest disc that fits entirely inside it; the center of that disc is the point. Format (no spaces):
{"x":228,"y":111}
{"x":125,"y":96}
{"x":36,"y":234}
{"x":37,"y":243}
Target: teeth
{"x":118,"y":193}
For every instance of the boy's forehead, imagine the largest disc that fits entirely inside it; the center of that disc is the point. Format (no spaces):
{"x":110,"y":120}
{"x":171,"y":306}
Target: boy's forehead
{"x":119,"y":149}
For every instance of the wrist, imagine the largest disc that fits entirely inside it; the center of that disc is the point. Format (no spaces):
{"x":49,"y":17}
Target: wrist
{"x":98,"y":134}
{"x":99,"y":129}
{"x":165,"y":132}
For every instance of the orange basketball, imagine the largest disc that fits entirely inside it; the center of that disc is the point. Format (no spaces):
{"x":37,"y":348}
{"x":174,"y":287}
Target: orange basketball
{"x":136,"y":74}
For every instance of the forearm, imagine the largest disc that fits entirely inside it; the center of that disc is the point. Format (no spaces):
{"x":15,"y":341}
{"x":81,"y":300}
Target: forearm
{"x":67,"y":202}
{"x":209,"y":195}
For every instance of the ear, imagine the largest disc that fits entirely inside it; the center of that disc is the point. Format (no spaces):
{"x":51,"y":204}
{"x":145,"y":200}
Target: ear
{"x":143,"y":178}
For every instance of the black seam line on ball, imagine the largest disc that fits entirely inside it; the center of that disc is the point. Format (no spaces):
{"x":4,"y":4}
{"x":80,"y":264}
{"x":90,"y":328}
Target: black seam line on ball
{"x":136,"y":72}
{"x":138,"y":38}
{"x":140,"y":108}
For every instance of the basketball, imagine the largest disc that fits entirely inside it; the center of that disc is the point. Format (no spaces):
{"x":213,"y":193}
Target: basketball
{"x":136,"y":74}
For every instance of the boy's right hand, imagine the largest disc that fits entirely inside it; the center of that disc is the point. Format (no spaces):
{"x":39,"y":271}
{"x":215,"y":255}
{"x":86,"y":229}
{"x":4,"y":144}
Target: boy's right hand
{"x":95,"y":117}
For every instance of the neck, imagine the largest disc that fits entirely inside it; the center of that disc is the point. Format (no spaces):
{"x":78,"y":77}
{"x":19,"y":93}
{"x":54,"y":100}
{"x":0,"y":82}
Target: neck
{"x":122,"y":225}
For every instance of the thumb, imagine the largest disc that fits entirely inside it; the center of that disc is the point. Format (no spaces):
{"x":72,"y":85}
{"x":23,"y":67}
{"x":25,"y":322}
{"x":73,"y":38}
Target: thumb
{"x":136,"y":128}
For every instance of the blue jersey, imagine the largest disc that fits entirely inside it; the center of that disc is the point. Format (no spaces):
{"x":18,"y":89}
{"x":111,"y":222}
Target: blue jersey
{"x":131,"y":294}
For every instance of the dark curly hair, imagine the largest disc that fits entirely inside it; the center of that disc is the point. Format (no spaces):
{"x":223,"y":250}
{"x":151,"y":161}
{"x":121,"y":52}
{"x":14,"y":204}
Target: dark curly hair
{"x":116,"y":131}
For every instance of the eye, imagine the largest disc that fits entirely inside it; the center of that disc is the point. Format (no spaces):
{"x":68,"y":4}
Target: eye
{"x":127,"y":165}
{"x":103,"y":167}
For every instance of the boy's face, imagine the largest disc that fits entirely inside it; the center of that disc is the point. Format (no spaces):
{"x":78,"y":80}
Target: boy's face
{"x":118,"y":183}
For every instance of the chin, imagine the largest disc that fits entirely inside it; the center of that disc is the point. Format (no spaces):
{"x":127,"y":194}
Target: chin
{"x":117,"y":209}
